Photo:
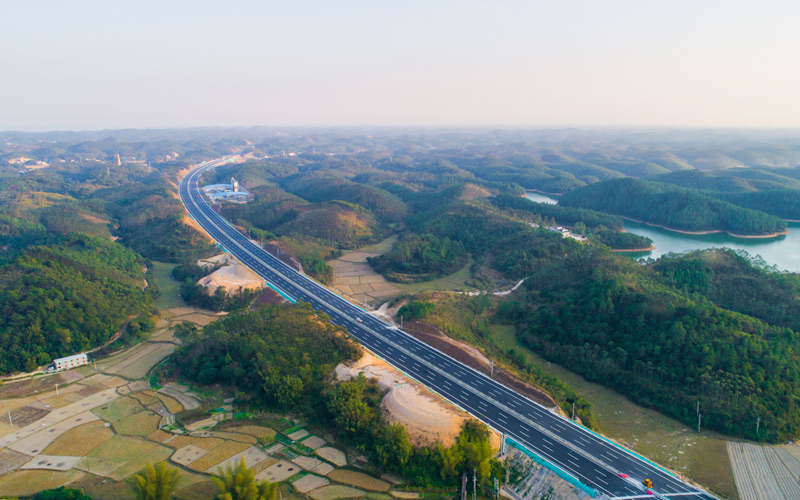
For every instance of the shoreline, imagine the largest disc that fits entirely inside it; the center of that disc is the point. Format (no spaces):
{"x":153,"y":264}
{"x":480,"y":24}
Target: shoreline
{"x":543,"y":192}
{"x":648,"y":249}
{"x":710,"y":231}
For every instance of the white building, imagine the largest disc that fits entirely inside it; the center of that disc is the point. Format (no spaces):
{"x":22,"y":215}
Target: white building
{"x":71,"y":361}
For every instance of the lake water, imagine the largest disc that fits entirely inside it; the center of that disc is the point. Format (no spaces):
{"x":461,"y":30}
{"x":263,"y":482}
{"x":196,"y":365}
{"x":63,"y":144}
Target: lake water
{"x":783,"y":251}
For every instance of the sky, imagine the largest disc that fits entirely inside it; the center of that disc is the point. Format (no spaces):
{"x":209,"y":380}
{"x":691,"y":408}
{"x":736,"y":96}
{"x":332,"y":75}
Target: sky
{"x":84,"y":64}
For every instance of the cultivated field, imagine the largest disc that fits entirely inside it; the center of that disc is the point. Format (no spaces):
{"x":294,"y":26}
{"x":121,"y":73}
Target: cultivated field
{"x":765,"y":472}
{"x":80,"y":440}
{"x":359,"y":480}
{"x":334,"y":491}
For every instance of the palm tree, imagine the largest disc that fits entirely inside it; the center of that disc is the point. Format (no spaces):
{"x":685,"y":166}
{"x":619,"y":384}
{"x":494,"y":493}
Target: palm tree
{"x":239,"y":483}
{"x":154,"y":482}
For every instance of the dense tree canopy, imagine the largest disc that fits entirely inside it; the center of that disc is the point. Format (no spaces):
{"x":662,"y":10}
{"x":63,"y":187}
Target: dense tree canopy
{"x":67,"y":297}
{"x":674,"y":207}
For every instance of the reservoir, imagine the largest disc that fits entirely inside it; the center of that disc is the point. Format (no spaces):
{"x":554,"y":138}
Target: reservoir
{"x":782,"y":251}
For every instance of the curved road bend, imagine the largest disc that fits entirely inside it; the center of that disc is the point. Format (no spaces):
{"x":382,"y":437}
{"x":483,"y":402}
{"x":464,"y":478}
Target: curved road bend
{"x":587,"y":457}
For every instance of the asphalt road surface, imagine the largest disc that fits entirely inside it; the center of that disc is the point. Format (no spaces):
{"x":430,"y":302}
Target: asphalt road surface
{"x":594,"y":461}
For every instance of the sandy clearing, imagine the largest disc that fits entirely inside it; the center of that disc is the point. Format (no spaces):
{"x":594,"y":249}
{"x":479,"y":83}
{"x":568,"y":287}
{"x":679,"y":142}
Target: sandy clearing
{"x":314,"y":465}
{"x":52,"y":462}
{"x":233,"y":275}
{"x":427,"y":418}
{"x":280,"y":471}
{"x":309,"y":482}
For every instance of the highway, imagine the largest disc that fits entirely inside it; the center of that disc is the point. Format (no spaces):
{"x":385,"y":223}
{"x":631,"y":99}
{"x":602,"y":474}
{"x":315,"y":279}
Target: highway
{"x":589,"y":458}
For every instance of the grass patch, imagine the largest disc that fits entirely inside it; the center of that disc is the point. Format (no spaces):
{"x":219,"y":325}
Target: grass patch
{"x":172,"y":405}
{"x":28,"y":482}
{"x":140,"y":424}
{"x":118,"y":409}
{"x":152,"y":456}
{"x":220,"y":453}
{"x":80,"y":441}
{"x":456,"y":281}
{"x":202,"y":490}
{"x":335,"y":491}
{"x":169,"y":289}
{"x":359,"y":480}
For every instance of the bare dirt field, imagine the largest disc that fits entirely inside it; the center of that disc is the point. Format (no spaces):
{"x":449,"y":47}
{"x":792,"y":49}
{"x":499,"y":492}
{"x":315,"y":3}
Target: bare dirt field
{"x":34,"y":443}
{"x":233,"y":275}
{"x":188,"y":454}
{"x":280,"y":471}
{"x":354,"y":278}
{"x":359,"y":480}
{"x":428,"y":418}
{"x":11,"y":460}
{"x":52,"y":462}
{"x":335,"y":491}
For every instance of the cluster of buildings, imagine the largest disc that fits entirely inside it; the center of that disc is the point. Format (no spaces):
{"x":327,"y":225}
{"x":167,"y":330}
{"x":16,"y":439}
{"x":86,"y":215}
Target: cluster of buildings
{"x":228,"y":192}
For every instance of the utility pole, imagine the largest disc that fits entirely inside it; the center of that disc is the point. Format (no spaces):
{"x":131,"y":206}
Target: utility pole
{"x":573,"y":411}
{"x":401,"y":321}
{"x":758,"y":424}
{"x":10,"y":422}
{"x":699,"y":417}
{"x":56,"y":389}
{"x":492,"y":373}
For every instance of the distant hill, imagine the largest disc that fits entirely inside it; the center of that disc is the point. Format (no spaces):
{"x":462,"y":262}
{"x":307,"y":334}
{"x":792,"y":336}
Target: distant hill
{"x":381,"y":203}
{"x":671,"y":206}
{"x":344,"y":224}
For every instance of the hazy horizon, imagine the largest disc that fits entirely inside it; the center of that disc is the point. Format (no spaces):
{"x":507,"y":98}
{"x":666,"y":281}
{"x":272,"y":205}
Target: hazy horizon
{"x":625,"y":64}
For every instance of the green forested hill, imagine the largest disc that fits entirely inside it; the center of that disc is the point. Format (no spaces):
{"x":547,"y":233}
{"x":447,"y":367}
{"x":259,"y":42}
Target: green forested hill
{"x":671,"y":206}
{"x":328,"y":188}
{"x":420,"y":258}
{"x":67,"y":297}
{"x":622,"y":324}
{"x":278,"y":355}
{"x":736,"y":281}
{"x":783,"y":203}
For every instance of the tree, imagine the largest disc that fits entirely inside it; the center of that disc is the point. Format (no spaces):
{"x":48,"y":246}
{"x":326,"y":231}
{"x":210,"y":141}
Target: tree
{"x":154,"y":482}
{"x":239,"y":483}
{"x":61,"y":493}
